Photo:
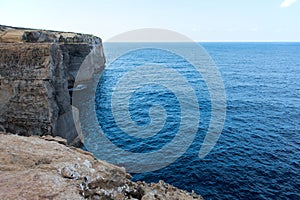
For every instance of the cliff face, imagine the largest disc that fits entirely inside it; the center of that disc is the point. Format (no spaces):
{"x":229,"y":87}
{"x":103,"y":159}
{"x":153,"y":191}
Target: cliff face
{"x":37,"y":69}
{"x":44,"y":168}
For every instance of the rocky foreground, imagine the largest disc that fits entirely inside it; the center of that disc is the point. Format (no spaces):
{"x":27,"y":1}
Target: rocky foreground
{"x":45,"y":168}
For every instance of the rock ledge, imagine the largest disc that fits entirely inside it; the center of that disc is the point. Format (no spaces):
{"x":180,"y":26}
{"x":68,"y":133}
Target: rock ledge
{"x":45,"y":168}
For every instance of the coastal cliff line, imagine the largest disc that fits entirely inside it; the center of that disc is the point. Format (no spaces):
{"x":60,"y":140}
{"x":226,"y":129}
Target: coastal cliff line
{"x":37,"y":70}
{"x":39,"y":158}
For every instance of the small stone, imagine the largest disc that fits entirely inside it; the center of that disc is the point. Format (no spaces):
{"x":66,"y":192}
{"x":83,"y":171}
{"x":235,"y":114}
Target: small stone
{"x":69,"y":172}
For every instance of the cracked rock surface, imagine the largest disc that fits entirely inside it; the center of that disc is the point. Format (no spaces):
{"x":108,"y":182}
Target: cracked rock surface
{"x":45,"y":168}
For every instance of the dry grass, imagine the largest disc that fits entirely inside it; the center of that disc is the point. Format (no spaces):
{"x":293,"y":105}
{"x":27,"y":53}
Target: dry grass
{"x":11,"y":36}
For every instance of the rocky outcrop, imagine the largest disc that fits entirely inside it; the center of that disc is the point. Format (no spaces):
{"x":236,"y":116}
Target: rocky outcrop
{"x":44,"y":168}
{"x":37,"y":70}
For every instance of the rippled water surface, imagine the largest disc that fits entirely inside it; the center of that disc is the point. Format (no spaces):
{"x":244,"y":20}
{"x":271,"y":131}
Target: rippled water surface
{"x":258,"y":153}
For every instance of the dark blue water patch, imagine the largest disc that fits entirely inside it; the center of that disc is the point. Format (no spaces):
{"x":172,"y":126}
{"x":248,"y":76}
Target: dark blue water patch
{"x":144,"y":98}
{"x":257,"y":155}
{"x":140,"y":103}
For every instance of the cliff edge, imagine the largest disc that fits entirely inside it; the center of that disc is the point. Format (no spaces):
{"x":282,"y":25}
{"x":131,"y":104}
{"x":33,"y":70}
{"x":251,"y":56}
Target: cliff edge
{"x":37,"y":71}
{"x":45,"y":168}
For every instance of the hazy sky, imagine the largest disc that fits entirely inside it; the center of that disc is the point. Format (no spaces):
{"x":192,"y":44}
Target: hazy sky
{"x":201,"y":20}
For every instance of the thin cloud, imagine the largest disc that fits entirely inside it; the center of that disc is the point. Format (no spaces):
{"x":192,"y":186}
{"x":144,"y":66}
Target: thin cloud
{"x":287,"y":3}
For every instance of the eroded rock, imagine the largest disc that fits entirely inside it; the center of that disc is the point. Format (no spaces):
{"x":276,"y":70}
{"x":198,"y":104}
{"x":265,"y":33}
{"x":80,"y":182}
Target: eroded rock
{"x":37,"y":168}
{"x":37,"y":70}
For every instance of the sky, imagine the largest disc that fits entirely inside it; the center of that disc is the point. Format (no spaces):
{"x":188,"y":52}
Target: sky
{"x":200,"y":20}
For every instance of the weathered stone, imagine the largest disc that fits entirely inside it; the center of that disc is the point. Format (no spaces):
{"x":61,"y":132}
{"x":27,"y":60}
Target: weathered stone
{"x":36,"y":168}
{"x":37,"y":69}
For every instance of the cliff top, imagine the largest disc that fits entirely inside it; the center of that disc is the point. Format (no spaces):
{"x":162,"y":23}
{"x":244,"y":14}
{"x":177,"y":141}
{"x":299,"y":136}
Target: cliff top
{"x":9,"y":34}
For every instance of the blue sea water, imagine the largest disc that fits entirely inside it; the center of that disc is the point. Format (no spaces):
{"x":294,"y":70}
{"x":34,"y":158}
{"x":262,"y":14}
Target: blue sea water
{"x":258,"y":153}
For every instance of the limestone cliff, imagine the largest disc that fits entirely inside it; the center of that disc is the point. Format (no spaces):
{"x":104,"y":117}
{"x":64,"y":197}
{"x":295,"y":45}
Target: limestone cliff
{"x":44,"y":168}
{"x":37,"y":69}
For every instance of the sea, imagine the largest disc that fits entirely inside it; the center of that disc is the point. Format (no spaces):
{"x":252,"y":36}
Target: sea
{"x":257,"y":152}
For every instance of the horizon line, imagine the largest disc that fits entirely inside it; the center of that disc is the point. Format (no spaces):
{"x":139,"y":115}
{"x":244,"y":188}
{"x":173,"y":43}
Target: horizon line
{"x":220,"y":41}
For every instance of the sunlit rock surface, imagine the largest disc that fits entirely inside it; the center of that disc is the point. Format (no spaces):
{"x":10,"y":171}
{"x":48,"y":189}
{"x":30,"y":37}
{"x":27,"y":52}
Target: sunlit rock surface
{"x":45,"y":168}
